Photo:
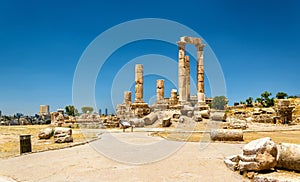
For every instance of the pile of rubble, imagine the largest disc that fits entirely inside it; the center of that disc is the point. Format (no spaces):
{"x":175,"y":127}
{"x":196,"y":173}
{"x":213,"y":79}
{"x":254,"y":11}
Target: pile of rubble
{"x":233,"y":123}
{"x":110,"y":122}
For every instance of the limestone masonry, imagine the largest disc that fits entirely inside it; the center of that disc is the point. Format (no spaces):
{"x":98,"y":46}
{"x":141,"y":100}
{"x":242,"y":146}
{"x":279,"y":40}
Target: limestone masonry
{"x":181,"y":100}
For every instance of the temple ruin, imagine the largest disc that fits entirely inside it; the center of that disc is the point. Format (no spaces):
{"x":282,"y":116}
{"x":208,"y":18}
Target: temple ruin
{"x":178,"y":100}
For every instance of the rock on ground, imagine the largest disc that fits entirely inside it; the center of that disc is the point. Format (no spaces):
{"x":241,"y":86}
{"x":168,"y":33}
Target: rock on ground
{"x":63,"y":135}
{"x":150,"y":118}
{"x":45,"y":133}
{"x":232,"y":162}
{"x":258,"y":155}
{"x":137,"y":122}
{"x":166,"y":122}
{"x":218,"y":116}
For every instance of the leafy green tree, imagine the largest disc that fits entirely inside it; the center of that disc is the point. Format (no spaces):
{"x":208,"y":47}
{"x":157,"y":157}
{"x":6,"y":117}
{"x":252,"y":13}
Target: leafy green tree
{"x":219,"y":102}
{"x":264,"y":100}
{"x":87,"y":109}
{"x":281,"y":95}
{"x":249,"y":102}
{"x":71,"y":110}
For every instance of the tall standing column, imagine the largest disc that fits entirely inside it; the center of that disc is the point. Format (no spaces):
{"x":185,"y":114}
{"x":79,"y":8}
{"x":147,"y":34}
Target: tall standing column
{"x":160,"y":91}
{"x":200,"y":73}
{"x":188,"y":77}
{"x":139,"y":81}
{"x":181,"y":72}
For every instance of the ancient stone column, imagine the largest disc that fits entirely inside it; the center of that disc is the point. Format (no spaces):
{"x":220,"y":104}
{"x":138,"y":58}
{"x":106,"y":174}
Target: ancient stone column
{"x":181,"y":72}
{"x":127,"y":97}
{"x":173,"y":94}
{"x":173,"y":99}
{"x":200,"y":73}
{"x":139,"y":81}
{"x":160,"y":91}
{"x":187,"y":77}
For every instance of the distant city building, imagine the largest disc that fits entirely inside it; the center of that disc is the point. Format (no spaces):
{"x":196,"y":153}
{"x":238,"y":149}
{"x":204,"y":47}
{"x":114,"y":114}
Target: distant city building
{"x":100,"y":112}
{"x":44,"y":110}
{"x":106,"y":112}
{"x":0,"y":113}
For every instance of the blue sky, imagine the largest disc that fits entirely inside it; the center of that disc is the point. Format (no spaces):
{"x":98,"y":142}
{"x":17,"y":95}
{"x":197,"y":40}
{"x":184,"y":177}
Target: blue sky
{"x":256,"y":42}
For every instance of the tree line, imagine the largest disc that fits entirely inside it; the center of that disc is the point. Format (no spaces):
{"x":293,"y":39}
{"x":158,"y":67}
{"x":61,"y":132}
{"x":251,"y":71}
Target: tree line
{"x":265,"y":99}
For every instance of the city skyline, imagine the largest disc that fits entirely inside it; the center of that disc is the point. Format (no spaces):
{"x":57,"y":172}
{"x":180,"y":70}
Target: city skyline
{"x":256,"y":43}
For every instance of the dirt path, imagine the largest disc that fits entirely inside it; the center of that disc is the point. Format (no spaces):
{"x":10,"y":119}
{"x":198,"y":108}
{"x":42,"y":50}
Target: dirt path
{"x":192,"y":162}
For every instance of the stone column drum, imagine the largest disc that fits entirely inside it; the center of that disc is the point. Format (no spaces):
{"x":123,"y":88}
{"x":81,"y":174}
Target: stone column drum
{"x":160,"y":90}
{"x":188,"y":77}
{"x":181,"y":72}
{"x":127,"y":97}
{"x":139,"y":81}
{"x":200,"y":73}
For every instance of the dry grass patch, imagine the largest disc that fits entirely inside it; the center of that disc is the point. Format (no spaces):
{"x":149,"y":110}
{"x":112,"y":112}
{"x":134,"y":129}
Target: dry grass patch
{"x":10,"y":141}
{"x":276,"y":136}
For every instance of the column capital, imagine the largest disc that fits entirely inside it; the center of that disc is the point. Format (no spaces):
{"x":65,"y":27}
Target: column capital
{"x":181,"y":45}
{"x":200,"y":47}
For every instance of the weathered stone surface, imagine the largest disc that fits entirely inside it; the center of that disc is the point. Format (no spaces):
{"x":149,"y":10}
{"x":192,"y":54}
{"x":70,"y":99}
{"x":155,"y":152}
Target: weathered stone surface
{"x":232,"y":162}
{"x":205,"y":114}
{"x":236,"y":123}
{"x":160,"y":106}
{"x":268,"y":179}
{"x":259,"y":155}
{"x":137,"y":122}
{"x":166,"y":122}
{"x":139,"y":82}
{"x":268,"y":110}
{"x":181,"y":120}
{"x":284,"y":111}
{"x":160,"y":91}
{"x":127,"y":97}
{"x":283,"y":102}
{"x":250,"y":175}
{"x":188,"y":76}
{"x":150,"y":118}
{"x":189,"y":114}
{"x":63,"y":138}
{"x":57,"y":119}
{"x":200,"y":66}
{"x":263,"y":118}
{"x":174,"y":99}
{"x":197,"y":116}
{"x":275,"y":177}
{"x":185,"y":109}
{"x":218,"y":116}
{"x":289,"y":156}
{"x":45,"y":133}
{"x":62,"y":135}
{"x":140,"y":109}
{"x":176,"y":116}
{"x":60,"y":130}
{"x":226,"y":135}
{"x":181,"y":72}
